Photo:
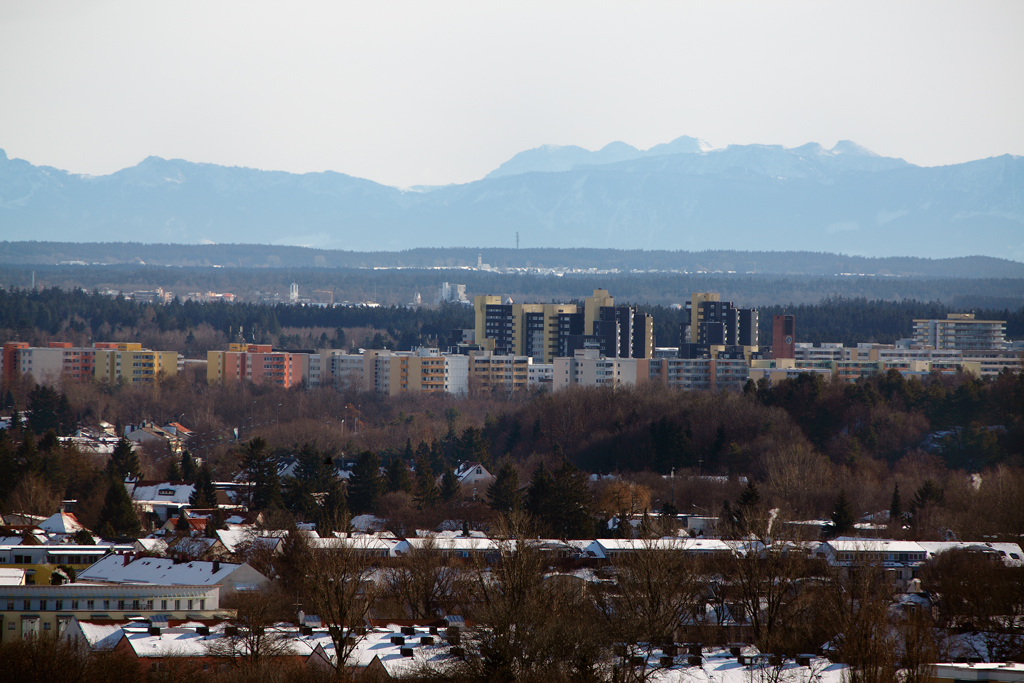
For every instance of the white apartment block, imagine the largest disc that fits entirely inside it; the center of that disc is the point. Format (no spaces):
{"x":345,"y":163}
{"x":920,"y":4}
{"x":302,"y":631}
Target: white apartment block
{"x":961,"y":331}
{"x":588,"y":368}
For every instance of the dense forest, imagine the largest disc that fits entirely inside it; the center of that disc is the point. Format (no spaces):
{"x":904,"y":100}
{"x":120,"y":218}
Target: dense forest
{"x":193,"y":328}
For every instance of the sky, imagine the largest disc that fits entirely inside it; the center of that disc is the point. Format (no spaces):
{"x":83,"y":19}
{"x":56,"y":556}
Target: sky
{"x":408,"y":93}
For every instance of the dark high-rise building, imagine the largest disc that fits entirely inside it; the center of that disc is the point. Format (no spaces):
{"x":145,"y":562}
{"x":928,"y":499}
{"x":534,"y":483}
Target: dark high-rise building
{"x":643,"y":335}
{"x":748,"y":334}
{"x":499,"y":325}
{"x":784,"y":336}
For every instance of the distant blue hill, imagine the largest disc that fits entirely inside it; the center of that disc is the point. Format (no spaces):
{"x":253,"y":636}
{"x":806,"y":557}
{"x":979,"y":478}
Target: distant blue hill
{"x":681,"y":195}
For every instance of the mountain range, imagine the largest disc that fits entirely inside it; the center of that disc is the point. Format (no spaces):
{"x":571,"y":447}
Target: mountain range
{"x":679,"y":195}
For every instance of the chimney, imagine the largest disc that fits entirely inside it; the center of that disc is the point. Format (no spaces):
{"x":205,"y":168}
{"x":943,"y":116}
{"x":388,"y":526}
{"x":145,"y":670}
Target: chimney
{"x":126,"y":560}
{"x":216,"y":566}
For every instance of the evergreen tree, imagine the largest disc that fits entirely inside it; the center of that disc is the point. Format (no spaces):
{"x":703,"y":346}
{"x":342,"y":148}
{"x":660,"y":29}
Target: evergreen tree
{"x":333,"y":514}
{"x":450,"y":488}
{"x":204,"y":493}
{"x":573,"y":501}
{"x":188,"y":466}
{"x":118,"y":517}
{"x":437,"y":458}
{"x":540,"y":495}
{"x":315,"y":469}
{"x":398,"y":474}
{"x":8,"y":470}
{"x":210,"y":530}
{"x":261,"y":469}
{"x":472,"y":447}
{"x":843,"y":518}
{"x":503,"y":493}
{"x":366,"y":485}
{"x":124,"y":461}
{"x":896,"y":506}
{"x":426,"y":492}
{"x":173,"y":471}
{"x":181,"y":525}
{"x":83,"y":537}
{"x":50,"y":410}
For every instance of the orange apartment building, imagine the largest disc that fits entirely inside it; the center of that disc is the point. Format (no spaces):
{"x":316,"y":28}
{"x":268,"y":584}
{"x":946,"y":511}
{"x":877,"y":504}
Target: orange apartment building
{"x":257,"y":363}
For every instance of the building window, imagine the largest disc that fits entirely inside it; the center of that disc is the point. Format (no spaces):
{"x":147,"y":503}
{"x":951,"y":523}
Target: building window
{"x":74,"y":605}
{"x":177,"y":605}
{"x":120,"y":605}
{"x":59,"y":605}
{"x":42,"y":605}
{"x":163,"y":604}
{"x":149,"y":605}
{"x":190,"y":604}
{"x":88,"y":604}
{"x":46,"y":626}
{"x":10,"y":605}
{"x":202,"y":604}
{"x":106,"y":604}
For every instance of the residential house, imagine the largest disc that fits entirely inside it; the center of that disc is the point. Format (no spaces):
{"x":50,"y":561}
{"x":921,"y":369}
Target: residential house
{"x":120,"y":569}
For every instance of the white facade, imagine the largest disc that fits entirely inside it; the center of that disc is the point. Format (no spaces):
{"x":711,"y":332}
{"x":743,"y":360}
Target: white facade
{"x":540,"y":374}
{"x":588,"y":368}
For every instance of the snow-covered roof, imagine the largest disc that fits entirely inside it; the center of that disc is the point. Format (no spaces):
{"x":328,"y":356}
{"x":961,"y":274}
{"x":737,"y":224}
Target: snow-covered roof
{"x":98,"y":635}
{"x":367,"y":523}
{"x":1010,"y":553}
{"x":233,"y":537}
{"x":459,"y":543}
{"x":697,"y":545}
{"x":61,"y":523}
{"x":10,"y":576}
{"x":155,"y":570}
{"x":172,"y":492}
{"x":152,"y":545}
{"x":872,"y":545}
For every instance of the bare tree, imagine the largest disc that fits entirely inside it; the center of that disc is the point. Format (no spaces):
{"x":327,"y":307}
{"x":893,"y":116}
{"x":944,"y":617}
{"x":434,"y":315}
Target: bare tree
{"x":657,"y":590}
{"x":254,"y":640}
{"x":337,"y":588}
{"x":528,"y":627}
{"x":423,"y":582}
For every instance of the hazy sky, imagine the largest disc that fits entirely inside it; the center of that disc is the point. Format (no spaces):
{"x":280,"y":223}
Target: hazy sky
{"x":436,"y":92}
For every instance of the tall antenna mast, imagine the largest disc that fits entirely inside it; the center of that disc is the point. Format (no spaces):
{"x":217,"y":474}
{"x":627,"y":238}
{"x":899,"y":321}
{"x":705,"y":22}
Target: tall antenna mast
{"x":517,"y":239}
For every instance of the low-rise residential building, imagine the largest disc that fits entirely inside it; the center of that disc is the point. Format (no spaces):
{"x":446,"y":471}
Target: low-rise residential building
{"x":121,"y":569}
{"x":40,"y":561}
{"x":32,"y":611}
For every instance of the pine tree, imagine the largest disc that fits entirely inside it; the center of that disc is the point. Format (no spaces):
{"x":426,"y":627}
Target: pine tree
{"x":365,"y":486}
{"x":896,"y":506}
{"x":188,"y":466}
{"x":261,"y":469}
{"x":573,"y":500}
{"x":124,"y":461}
{"x":503,"y":493}
{"x":333,"y":514}
{"x":118,"y":517}
{"x":8,"y":470}
{"x":426,"y":492}
{"x":450,"y":488}
{"x":181,"y":525}
{"x":472,"y":447}
{"x":540,"y":495}
{"x":173,"y":471}
{"x":398,"y":475}
{"x":204,"y":493}
{"x":843,"y":518}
